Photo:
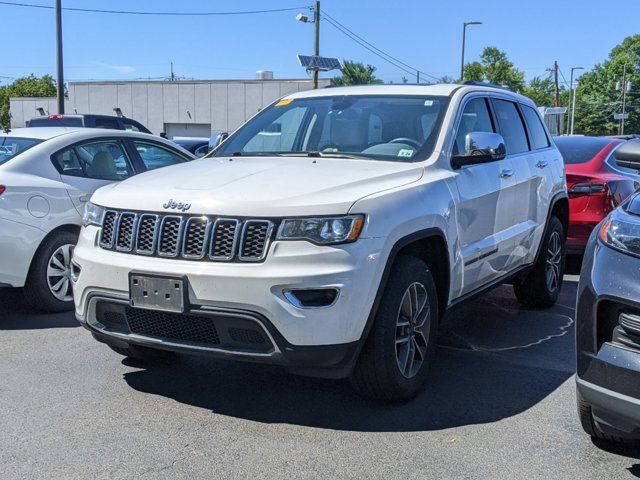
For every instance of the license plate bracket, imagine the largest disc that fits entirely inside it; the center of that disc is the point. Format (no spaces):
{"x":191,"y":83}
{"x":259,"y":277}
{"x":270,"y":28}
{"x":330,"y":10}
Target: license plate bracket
{"x":158,"y":292}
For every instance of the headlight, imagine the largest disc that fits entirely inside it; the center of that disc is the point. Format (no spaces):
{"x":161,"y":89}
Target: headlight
{"x":93,"y":215}
{"x":621,"y":235}
{"x":322,"y":231}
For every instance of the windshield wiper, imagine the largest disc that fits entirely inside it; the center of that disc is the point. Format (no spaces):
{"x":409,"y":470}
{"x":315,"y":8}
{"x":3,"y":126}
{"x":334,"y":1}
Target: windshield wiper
{"x":334,"y":155}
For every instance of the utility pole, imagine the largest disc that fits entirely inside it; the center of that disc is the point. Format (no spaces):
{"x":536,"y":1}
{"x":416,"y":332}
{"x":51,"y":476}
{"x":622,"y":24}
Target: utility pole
{"x":624,"y":97}
{"x":418,"y":76}
{"x":316,"y":39}
{"x":556,"y":95}
{"x":60,"y":79}
{"x":572,"y":99}
{"x":172,"y":77}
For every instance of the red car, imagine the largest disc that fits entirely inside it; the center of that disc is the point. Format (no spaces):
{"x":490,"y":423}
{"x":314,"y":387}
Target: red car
{"x":596,"y":184}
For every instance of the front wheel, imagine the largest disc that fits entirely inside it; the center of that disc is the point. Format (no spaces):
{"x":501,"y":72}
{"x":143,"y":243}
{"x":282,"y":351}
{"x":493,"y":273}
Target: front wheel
{"x":541,"y":288}
{"x":395,"y":359}
{"x":48,"y":285}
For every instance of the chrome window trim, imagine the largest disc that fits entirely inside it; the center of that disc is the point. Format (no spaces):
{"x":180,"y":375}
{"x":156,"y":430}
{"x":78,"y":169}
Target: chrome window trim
{"x":178,"y":239}
{"x":267,"y":242}
{"x":234,"y":244}
{"x":134,"y":228}
{"x":156,"y":230}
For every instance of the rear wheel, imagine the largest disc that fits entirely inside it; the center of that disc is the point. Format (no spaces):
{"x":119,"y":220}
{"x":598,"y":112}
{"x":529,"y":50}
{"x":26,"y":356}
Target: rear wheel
{"x":48,"y":285}
{"x":541,"y":288}
{"x":395,"y":359}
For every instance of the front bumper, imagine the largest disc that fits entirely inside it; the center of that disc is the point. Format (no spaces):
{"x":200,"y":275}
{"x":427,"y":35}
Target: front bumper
{"x":18,"y":244}
{"x":303,"y":337}
{"x":608,"y":372}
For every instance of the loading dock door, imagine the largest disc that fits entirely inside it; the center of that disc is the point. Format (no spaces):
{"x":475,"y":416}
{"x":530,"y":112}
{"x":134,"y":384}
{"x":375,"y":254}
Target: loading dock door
{"x":187,"y":130}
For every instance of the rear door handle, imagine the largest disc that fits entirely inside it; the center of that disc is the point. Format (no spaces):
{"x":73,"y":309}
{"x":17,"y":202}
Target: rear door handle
{"x":542,"y":164}
{"x":506,"y":173}
{"x":85,"y":198}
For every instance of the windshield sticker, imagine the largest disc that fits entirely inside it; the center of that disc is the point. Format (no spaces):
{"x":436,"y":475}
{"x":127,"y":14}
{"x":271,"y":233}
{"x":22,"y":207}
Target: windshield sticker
{"x":405,"y":152}
{"x":284,"y":102}
{"x":428,"y":103}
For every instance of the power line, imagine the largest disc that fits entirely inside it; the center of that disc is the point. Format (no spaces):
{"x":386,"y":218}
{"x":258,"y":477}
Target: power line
{"x":169,"y":14}
{"x":375,"y":50}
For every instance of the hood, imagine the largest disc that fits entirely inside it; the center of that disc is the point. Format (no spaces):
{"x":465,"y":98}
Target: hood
{"x":258,"y":186}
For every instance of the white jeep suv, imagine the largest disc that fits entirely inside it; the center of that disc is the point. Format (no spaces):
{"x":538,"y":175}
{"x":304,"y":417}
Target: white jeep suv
{"x":331,"y":233}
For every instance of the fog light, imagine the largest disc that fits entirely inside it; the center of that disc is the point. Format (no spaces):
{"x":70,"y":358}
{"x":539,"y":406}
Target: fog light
{"x":312,"y":297}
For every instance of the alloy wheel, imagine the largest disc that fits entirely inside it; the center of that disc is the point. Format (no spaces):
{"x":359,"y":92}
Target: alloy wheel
{"x":59,"y":273}
{"x":554,"y":261}
{"x":411,"y":338}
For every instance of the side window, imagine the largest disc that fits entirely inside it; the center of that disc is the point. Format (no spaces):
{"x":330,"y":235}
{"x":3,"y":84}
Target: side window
{"x":539,"y":137}
{"x":511,"y":126}
{"x":475,"y":118}
{"x":130,"y":126}
{"x":156,"y":156}
{"x":103,"y":160}
{"x":107,"y":123}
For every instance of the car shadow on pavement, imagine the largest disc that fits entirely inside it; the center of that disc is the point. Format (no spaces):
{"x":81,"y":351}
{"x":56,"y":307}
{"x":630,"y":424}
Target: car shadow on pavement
{"x":16,"y":315}
{"x":496,"y":360}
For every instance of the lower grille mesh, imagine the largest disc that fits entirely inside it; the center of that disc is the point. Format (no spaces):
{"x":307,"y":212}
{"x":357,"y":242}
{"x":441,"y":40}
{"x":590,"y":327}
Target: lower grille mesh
{"x":172,"y":326}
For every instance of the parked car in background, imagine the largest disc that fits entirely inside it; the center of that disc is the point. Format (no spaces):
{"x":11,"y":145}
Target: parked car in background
{"x":608,"y":321}
{"x":88,"y":121}
{"x":199,"y":146}
{"x":596,"y":184}
{"x":331,"y":233}
{"x":46,"y":177}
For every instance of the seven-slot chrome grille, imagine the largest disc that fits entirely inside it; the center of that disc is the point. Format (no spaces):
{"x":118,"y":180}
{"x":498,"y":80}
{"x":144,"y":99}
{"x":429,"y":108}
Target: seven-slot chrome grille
{"x":187,"y":237}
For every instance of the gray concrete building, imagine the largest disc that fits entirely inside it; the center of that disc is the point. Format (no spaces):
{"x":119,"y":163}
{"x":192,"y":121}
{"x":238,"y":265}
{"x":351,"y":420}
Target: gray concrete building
{"x":179,"y":108}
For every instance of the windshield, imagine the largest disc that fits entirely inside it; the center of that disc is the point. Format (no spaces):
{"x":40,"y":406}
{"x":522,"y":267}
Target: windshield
{"x":393,"y":127}
{"x":10,"y":147}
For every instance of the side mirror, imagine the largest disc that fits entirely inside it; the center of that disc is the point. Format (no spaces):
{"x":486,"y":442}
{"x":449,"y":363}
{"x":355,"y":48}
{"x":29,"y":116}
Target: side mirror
{"x":628,"y":155}
{"x":480,"y":147}
{"x":216,"y":139}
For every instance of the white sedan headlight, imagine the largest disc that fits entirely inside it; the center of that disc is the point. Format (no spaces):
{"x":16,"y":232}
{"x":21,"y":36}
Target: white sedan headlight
{"x":322,"y":230}
{"x":93,"y":215}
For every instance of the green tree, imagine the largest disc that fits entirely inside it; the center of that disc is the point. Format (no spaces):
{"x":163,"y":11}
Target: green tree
{"x":30,"y":86}
{"x":495,"y":67}
{"x":597,"y":98}
{"x":541,"y":91}
{"x":355,"y":73}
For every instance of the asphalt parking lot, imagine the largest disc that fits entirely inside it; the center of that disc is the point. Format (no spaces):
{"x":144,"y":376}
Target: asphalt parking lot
{"x":500,"y":404}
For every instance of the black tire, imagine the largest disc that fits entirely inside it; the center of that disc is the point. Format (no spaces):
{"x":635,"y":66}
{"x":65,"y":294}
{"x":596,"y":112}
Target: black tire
{"x":591,"y":428}
{"x":144,"y":354}
{"x":534,"y":291}
{"x":378,"y":373}
{"x":36,"y":290}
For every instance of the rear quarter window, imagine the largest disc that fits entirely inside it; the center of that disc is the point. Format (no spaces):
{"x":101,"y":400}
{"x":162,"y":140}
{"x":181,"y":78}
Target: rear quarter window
{"x":11,"y":147}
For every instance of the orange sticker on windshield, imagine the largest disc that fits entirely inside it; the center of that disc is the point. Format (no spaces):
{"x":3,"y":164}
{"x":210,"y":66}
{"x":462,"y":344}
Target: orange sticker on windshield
{"x":284,"y":101}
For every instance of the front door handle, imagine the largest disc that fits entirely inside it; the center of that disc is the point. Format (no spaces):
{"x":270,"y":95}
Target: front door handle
{"x":542,"y":164}
{"x":506,"y":173}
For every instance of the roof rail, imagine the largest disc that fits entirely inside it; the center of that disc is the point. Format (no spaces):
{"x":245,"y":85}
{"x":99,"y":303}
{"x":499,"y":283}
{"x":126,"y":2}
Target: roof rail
{"x":486,"y":84}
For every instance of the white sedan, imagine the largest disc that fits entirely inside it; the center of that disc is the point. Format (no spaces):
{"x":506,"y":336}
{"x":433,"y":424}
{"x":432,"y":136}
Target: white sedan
{"x":46,"y":176}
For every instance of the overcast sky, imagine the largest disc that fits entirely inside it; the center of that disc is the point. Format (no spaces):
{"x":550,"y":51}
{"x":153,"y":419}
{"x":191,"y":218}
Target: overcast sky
{"x":422,"y":34}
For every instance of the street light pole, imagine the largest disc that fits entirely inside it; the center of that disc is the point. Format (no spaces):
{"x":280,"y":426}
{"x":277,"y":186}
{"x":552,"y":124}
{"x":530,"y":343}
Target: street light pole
{"x":60,"y":79}
{"x":572,"y":100}
{"x":464,"y":37}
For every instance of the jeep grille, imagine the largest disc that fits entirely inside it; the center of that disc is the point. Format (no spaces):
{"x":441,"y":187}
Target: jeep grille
{"x":187,"y":237}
